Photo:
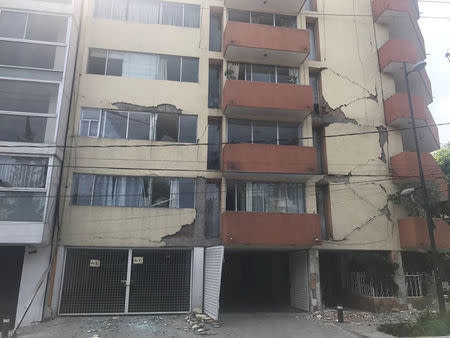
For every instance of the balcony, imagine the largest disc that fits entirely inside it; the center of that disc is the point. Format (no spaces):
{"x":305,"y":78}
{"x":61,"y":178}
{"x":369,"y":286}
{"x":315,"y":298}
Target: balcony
{"x":253,"y":228}
{"x":247,"y":42}
{"x":413,"y":232}
{"x":273,"y":6}
{"x":397,"y":114}
{"x":404,"y":167}
{"x":263,"y":100}
{"x":394,"y":52}
{"x":400,"y":16}
{"x":268,"y":159}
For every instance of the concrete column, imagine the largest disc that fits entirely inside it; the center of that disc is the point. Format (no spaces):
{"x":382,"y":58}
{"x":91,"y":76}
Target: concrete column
{"x":399,"y":278}
{"x":55,"y":284}
{"x":197,"y":279}
{"x":315,"y":297}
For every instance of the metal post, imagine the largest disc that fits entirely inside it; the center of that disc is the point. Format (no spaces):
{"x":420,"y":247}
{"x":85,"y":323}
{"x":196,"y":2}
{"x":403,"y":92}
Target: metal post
{"x":340,"y":313}
{"x":5,"y":327}
{"x":430,"y":222}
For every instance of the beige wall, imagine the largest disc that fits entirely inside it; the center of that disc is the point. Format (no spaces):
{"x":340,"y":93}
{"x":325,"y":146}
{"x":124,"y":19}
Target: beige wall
{"x":351,"y":81}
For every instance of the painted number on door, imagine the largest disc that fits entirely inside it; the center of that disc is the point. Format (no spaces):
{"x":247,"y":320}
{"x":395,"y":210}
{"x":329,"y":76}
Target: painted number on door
{"x":138,"y":260}
{"x":94,"y":263}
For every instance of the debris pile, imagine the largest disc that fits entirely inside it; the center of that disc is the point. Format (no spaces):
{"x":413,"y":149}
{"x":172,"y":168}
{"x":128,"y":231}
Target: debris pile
{"x":201,"y":324}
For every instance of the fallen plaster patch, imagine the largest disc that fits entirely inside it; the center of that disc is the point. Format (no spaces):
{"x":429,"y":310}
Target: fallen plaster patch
{"x":186,"y":231}
{"x":382,"y":138}
{"x":160,"y":108}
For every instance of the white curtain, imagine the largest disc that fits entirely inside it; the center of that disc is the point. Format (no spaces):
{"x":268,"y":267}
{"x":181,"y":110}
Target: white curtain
{"x":104,"y":191}
{"x":258,"y":197}
{"x":174,"y":193}
{"x":103,"y":8}
{"x":233,"y":68}
{"x":249,"y":196}
{"x":153,"y":120}
{"x":162,"y":69}
{"x":137,"y":65}
{"x":145,"y":11}
{"x":119,"y":10}
{"x":26,"y":172}
{"x":172,"y":13}
{"x":191,"y":15}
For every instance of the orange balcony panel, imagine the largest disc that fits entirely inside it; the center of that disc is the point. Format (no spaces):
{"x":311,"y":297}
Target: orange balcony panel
{"x":247,"y":42}
{"x":262,"y":100}
{"x":257,"y":228}
{"x":394,"y":52}
{"x":398,"y":115}
{"x":271,"y":6}
{"x":404,"y":166}
{"x":413,"y":233}
{"x":269,"y":159}
{"x":384,"y":10}
{"x":419,"y":83}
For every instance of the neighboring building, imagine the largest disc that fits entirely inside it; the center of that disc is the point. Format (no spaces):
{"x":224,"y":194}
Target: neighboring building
{"x":150,"y":197}
{"x":37,"y":59}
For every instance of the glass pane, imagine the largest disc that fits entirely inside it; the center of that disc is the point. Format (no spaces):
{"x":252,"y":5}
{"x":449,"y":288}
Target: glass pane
{"x":191,"y":16}
{"x":93,"y":130}
{"x":30,"y":55}
{"x":22,"y":171}
{"x":46,"y":28}
{"x":264,"y":132}
{"x":288,"y":21}
{"x":283,"y":75}
{"x":188,"y":128}
{"x":25,"y":129}
{"x":12,"y":24}
{"x":263,"y":73}
{"x":292,"y":201}
{"x":214,"y":86}
{"x":239,"y":131}
{"x":312,"y":40}
{"x":288,"y":134}
{"x":314,"y":83}
{"x":104,"y":191}
{"x":190,"y":69}
{"x":213,"y":209}
{"x":119,"y":10}
{"x":172,"y":13}
{"x":145,"y":11}
{"x":186,"y":193}
{"x":97,"y":61}
{"x":241,"y":196}
{"x":84,"y":128}
{"x":258,"y":197}
{"x":214,"y":146}
{"x":130,"y":191}
{"x":115,"y":124}
{"x":240,"y":16}
{"x":139,"y":126}
{"x":82,"y":189}
{"x":138,"y":65}
{"x":29,"y":97}
{"x":115,"y":63}
{"x":160,"y":192}
{"x":103,"y":8}
{"x":90,"y":114}
{"x":169,"y":68}
{"x":22,"y":206}
{"x":215,"y":32}
{"x":231,"y":200}
{"x":167,"y":128}
{"x":262,"y":18}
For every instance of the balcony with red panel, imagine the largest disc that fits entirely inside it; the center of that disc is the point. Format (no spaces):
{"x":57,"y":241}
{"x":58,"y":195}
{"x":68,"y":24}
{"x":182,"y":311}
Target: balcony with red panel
{"x":266,"y":100}
{"x":240,"y":228}
{"x":292,"y":7}
{"x":413,"y":232}
{"x":404,"y":167}
{"x":397,"y":115}
{"x":245,"y":42}
{"x":400,"y":16}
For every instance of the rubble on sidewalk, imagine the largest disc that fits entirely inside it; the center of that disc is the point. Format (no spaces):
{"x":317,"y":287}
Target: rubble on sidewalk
{"x":201,"y":324}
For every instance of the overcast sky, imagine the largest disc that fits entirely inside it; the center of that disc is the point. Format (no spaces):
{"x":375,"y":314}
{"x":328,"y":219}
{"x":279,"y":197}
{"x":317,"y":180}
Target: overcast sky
{"x":436,"y":33}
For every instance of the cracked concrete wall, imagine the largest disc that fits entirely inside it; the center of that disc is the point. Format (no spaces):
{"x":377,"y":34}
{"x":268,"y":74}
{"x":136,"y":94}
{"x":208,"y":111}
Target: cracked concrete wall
{"x":352,"y":102}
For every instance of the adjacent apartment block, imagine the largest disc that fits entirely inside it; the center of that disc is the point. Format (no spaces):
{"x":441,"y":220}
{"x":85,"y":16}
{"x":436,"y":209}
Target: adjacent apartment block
{"x":238,"y":154}
{"x":37,"y":60}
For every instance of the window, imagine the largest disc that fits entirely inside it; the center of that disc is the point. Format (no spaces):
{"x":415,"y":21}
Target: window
{"x":33,"y":26}
{"x":323,"y":209}
{"x":264,"y":132}
{"x":262,"y":73}
{"x":318,"y":143}
{"x":31,"y":55}
{"x":215,"y":31}
{"x":311,"y":27}
{"x":21,"y":206}
{"x":138,"y":125}
{"x":314,"y":83}
{"x":149,"y":11}
{"x":144,"y":66}
{"x":26,"y":129}
{"x":28,"y":96}
{"x":261,"y":18}
{"x":214,"y":86}
{"x":266,"y":197}
{"x":213,"y":209}
{"x":310,"y":5}
{"x":23,"y":171}
{"x":129,"y":191}
{"x":214,"y":144}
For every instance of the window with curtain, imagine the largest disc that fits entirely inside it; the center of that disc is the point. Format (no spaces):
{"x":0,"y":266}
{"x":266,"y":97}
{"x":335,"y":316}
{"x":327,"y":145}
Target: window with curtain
{"x":262,"y":73}
{"x":143,"y":66}
{"x":23,"y":171}
{"x":266,"y":197}
{"x":21,"y":206}
{"x":264,"y":132}
{"x":131,"y":191}
{"x":311,"y":28}
{"x":262,"y":18}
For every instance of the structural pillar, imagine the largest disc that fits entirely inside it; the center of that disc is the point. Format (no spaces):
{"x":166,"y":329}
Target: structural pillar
{"x":399,"y":278}
{"x":314,"y":280}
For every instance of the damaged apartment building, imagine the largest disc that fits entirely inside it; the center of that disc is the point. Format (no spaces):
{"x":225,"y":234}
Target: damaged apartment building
{"x":231,"y":155}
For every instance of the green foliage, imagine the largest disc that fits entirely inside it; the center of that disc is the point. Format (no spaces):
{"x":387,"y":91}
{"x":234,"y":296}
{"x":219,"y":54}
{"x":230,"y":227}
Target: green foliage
{"x":229,"y":73}
{"x":442,"y":157}
{"x":430,"y":324}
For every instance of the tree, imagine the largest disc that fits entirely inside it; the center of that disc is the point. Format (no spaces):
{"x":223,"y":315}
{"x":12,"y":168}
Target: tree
{"x":442,"y":157}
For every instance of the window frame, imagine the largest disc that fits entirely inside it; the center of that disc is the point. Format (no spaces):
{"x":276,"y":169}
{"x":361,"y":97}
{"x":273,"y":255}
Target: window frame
{"x":245,"y":70}
{"x":274,"y":18}
{"x":299,"y":132}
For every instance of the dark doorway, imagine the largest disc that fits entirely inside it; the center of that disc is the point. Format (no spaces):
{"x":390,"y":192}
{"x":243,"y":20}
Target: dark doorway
{"x":254,"y":281}
{"x":11,"y":260}
{"x":331,"y":279}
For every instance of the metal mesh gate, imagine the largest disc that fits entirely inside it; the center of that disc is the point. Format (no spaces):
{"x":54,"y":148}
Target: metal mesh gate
{"x":161,"y":281}
{"x":95,"y":281}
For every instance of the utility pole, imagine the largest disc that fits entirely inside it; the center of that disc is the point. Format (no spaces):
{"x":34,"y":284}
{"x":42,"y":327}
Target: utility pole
{"x":429,"y":218}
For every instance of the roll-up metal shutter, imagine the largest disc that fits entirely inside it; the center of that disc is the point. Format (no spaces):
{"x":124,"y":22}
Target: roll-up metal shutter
{"x":213,"y":279}
{"x":298,"y":266}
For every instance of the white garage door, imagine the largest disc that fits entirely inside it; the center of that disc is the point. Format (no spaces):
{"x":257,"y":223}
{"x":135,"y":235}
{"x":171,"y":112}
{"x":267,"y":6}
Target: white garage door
{"x":213,"y":279}
{"x":298,"y":266}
